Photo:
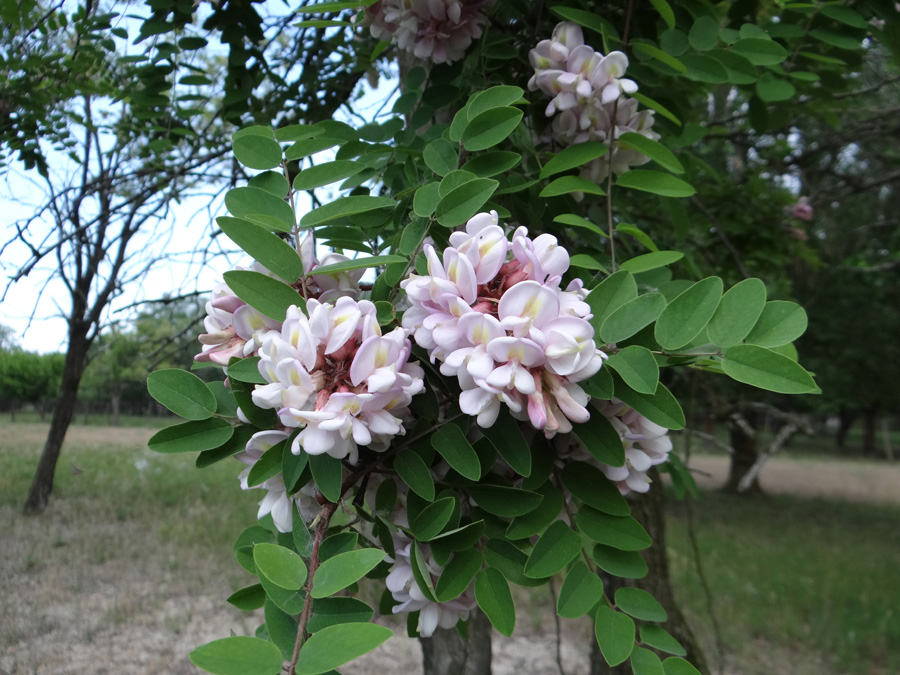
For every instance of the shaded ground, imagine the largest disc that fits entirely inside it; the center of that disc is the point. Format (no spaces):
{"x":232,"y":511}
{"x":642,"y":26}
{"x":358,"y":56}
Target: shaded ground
{"x":131,"y":589}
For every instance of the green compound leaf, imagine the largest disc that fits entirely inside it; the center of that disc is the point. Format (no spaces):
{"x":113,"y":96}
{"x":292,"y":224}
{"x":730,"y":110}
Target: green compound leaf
{"x":538,"y":520}
{"x":737,"y":313}
{"x":772,"y":89}
{"x":573,"y":157}
{"x":280,"y":565}
{"x":578,"y":221}
{"x":655,"y":182}
{"x":654,"y":150}
{"x":345,"y":206}
{"x":243,"y":546}
{"x":660,"y":407}
{"x":414,"y":472}
{"x":704,"y":34}
{"x":336,"y":645}
{"x":639,"y":604}
{"x":359,"y":263}
{"x":333,"y":611}
{"x":495,"y":97}
{"x":651,"y":261}
{"x":257,"y":152}
{"x":661,"y":56}
{"x":601,"y":440}
{"x":581,"y":590}
{"x":637,"y":367}
{"x":615,"y":635}
{"x":281,"y":627}
{"x":248,"y":598}
{"x":433,"y":518}
{"x":182,"y":392}
{"x":645,"y":662}
{"x":760,"y":51}
{"x":624,"y":564}
{"x":336,"y":573}
{"x":458,"y":574}
{"x":263,"y":293}
{"x":489,"y":128}
{"x":440,"y":156}
{"x":506,"y":502}
{"x":677,"y":666}
{"x":569,"y":184}
{"x":268,"y":249}
{"x":464,"y":201}
{"x":451,"y":444}
{"x":665,"y":12}
{"x":506,"y":436}
{"x":683,"y":318}
{"x":261,"y":206}
{"x":556,"y":548}
{"x":238,"y":655}
{"x":495,"y":600}
{"x":327,"y":474}
{"x":191,"y":436}
{"x":766,"y":369}
{"x":623,"y":533}
{"x":492,"y":163}
{"x":609,"y":295}
{"x":246,"y":370}
{"x":631,"y":317}
{"x":326,"y":174}
{"x":588,"y":484}
{"x":659,"y":638}
{"x":779,"y":323}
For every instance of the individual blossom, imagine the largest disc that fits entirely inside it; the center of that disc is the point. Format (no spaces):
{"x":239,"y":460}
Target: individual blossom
{"x":646,"y":444}
{"x":403,"y":587}
{"x":233,"y":328}
{"x":337,"y":379}
{"x":436,"y":30}
{"x":801,"y":209}
{"x":492,"y":311}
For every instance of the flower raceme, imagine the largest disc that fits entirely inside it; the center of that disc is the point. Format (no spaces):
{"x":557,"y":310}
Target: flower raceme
{"x":492,"y":311}
{"x":436,"y":30}
{"x":588,"y":102}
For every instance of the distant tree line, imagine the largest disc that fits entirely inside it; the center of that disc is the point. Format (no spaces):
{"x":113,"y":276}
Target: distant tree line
{"x":162,"y":335}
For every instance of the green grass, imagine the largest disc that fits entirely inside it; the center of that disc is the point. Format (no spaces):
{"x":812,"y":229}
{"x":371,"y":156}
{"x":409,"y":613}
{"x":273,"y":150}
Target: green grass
{"x":811,"y":578}
{"x":799,"y":586}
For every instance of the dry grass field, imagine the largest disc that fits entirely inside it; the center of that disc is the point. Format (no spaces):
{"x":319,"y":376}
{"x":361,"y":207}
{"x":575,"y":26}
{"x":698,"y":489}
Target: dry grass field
{"x":129,"y":568}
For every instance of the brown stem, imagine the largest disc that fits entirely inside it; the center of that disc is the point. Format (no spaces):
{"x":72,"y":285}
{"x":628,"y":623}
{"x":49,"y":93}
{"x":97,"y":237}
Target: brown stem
{"x":321,"y":529}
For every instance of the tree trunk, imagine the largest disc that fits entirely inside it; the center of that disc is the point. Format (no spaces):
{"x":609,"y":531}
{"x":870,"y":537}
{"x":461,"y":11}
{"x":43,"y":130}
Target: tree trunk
{"x":742,"y":436}
{"x":868,"y":440}
{"x":845,"y":421}
{"x":114,"y":401}
{"x":448,"y":653}
{"x":42,"y":485}
{"x":649,"y":510}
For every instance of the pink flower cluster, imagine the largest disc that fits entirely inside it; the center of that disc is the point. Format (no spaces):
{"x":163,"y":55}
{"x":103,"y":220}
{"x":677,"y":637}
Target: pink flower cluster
{"x":234,"y":329}
{"x":492,"y":311}
{"x":338,"y":378}
{"x":438,"y":30}
{"x":587,"y":98}
{"x":646,"y":444}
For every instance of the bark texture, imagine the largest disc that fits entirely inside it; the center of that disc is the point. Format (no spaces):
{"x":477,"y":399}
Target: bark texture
{"x":73,"y":369}
{"x":743,"y":440}
{"x":649,"y":510}
{"x":448,"y":653}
